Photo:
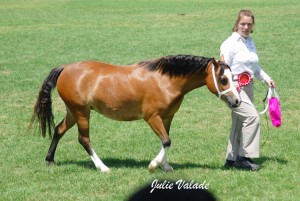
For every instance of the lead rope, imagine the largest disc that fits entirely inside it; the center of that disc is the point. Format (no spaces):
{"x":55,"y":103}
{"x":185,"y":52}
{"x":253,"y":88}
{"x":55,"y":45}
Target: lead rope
{"x":264,"y":112}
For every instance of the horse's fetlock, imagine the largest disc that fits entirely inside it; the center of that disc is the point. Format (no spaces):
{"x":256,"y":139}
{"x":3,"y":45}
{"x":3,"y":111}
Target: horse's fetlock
{"x":166,"y":143}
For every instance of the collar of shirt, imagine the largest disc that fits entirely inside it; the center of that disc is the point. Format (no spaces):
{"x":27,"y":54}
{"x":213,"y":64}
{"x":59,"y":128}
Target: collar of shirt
{"x":238,"y":37}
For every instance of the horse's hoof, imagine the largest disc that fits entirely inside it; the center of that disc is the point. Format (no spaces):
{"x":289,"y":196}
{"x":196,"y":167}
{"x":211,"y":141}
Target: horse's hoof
{"x":167,"y":168}
{"x":106,"y":170}
{"x":50,"y":163}
{"x":150,"y":169}
{"x":152,"y":166}
{"x":103,"y":169}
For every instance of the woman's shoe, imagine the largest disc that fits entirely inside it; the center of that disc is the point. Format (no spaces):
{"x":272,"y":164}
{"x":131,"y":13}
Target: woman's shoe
{"x":229,"y":164}
{"x":246,"y":163}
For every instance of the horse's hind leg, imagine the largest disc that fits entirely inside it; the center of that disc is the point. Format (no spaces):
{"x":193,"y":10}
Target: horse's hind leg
{"x":59,"y":131}
{"x":84,"y":139}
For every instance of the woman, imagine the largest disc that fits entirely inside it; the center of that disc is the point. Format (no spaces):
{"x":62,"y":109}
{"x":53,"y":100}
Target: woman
{"x":239,"y":52}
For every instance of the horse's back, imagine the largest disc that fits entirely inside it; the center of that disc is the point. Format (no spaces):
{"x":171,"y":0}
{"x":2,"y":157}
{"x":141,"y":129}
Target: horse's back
{"x":94,"y":67}
{"x":78,"y":79}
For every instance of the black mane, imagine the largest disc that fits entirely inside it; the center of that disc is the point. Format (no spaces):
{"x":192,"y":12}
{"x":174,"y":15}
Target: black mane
{"x":177,"y":65}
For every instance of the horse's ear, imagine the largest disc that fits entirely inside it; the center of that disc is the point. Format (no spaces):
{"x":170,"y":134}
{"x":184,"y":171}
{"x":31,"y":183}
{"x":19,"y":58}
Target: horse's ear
{"x":215,"y":62}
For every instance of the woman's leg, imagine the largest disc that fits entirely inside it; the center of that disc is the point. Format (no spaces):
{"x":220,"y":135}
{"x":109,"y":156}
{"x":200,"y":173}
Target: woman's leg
{"x":245,"y":133}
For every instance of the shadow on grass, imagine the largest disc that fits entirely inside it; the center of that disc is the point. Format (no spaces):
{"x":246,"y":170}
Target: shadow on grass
{"x":131,"y":163}
{"x":265,"y":159}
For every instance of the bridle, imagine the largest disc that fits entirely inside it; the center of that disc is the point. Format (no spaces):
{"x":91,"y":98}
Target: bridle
{"x":220,"y":93}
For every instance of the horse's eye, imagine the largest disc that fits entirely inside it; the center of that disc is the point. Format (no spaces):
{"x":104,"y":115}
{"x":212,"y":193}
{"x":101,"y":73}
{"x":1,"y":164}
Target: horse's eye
{"x":224,"y":81}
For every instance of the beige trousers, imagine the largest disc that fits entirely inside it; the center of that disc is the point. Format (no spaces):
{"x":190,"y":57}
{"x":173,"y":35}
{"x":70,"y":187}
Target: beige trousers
{"x":244,"y":137}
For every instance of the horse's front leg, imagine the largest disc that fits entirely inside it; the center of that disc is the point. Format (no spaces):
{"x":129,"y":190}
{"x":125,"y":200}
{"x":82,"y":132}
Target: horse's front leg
{"x":160,"y":160}
{"x":161,"y":128}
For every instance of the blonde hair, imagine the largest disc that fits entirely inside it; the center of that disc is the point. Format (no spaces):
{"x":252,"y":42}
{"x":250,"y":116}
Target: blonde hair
{"x":241,"y":14}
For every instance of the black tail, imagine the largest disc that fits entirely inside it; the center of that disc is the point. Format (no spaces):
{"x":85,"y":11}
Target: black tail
{"x":43,"y":106}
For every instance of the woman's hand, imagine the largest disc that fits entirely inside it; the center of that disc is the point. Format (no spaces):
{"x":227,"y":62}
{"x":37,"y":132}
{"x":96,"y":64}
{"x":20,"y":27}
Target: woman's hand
{"x":271,"y":83}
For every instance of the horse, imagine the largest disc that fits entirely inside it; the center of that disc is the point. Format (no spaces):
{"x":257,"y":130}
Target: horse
{"x":152,"y":90}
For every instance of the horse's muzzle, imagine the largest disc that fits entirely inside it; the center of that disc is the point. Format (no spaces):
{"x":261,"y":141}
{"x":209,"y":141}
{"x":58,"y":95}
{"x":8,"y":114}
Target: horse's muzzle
{"x":234,"y":104}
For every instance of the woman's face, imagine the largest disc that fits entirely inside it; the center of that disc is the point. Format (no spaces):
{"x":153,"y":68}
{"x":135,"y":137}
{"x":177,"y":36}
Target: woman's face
{"x":245,"y":26}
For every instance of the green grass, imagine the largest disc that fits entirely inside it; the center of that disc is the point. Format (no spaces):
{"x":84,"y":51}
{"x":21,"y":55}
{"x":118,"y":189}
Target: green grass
{"x":39,"y":35}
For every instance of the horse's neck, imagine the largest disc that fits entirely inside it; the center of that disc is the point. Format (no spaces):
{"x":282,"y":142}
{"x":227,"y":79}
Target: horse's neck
{"x":189,"y":83}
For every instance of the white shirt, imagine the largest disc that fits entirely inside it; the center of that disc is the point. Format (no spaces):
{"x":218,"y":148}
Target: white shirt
{"x":240,"y":54}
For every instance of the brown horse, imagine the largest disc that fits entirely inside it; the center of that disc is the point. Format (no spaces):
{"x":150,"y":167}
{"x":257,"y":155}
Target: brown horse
{"x":151,"y":90}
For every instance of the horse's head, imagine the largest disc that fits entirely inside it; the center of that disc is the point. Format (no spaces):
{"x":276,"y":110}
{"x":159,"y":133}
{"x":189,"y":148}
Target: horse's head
{"x":219,"y":81}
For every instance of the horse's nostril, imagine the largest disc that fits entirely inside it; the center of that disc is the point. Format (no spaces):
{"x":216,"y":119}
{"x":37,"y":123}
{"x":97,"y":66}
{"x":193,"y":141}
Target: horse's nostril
{"x":237,"y":102}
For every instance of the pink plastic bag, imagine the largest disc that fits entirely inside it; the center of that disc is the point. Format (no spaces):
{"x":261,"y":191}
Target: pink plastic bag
{"x":274,"y":107}
{"x":275,"y":111}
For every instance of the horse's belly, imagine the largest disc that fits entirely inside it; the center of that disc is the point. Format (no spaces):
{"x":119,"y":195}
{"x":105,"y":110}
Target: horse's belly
{"x":120,"y":113}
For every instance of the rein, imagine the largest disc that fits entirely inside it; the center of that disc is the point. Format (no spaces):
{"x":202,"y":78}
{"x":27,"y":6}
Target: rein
{"x":216,"y":85}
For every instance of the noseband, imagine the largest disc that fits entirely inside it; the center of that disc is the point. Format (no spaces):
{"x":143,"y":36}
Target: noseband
{"x":216,"y":84}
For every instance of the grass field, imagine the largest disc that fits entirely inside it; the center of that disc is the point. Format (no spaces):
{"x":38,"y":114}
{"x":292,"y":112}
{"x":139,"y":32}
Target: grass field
{"x":37,"y":35}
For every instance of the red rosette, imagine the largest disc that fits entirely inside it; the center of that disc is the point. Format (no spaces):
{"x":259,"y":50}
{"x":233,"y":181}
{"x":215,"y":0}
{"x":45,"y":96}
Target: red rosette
{"x":244,"y":79}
